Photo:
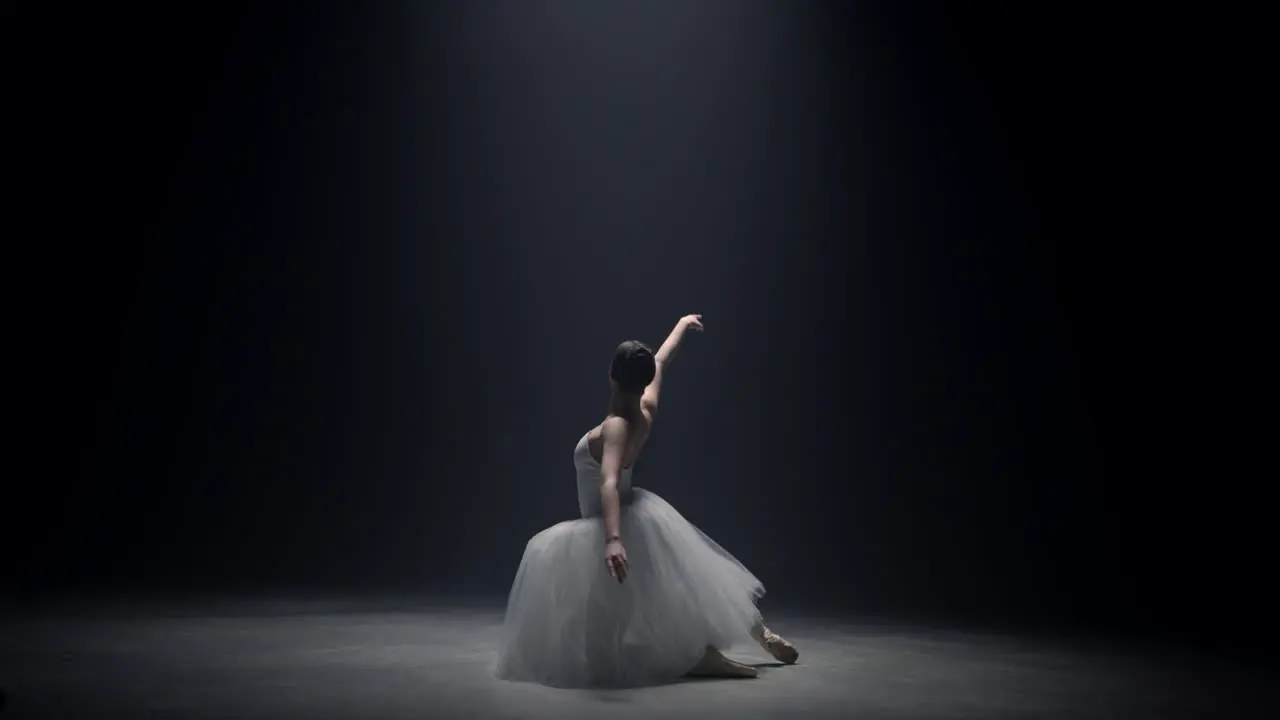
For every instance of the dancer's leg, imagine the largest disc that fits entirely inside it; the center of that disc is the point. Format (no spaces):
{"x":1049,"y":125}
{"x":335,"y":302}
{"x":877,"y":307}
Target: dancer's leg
{"x":774,"y":643}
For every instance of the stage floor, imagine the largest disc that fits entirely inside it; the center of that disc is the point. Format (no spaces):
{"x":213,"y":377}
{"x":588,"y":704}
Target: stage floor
{"x":294,"y":658}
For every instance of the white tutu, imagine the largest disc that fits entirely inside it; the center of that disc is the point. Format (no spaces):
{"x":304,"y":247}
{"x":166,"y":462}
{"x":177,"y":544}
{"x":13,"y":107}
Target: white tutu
{"x":569,"y":624}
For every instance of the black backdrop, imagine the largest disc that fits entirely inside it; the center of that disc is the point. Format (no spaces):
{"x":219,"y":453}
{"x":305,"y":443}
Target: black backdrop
{"x":320,"y":298}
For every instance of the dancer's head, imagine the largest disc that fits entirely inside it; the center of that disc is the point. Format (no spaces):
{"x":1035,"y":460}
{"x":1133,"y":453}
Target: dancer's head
{"x":633,"y":368}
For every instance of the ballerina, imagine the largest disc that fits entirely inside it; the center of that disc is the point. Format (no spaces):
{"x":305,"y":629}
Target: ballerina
{"x":666,"y":603}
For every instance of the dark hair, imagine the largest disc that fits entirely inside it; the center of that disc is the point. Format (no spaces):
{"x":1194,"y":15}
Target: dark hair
{"x":633,"y":367}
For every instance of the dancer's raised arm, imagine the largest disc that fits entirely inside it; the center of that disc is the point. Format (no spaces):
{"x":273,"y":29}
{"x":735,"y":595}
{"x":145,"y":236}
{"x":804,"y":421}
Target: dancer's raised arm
{"x":664,"y":356}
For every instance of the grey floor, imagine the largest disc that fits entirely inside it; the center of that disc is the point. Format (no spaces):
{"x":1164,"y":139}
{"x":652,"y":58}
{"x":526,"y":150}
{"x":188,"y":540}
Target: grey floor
{"x":296,"y":659}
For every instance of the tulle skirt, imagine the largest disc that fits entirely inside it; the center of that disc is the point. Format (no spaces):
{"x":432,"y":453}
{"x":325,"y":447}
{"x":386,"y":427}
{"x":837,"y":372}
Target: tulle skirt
{"x":569,"y":624}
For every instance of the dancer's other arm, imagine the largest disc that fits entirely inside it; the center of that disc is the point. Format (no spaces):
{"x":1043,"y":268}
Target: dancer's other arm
{"x":614,"y":431}
{"x":664,"y":357}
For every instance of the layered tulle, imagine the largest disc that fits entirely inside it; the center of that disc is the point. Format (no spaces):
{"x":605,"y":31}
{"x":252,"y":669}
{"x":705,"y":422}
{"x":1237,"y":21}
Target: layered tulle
{"x":569,"y":624}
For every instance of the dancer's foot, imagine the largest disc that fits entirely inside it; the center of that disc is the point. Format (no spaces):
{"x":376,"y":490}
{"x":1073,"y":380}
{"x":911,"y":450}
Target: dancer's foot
{"x":777,"y":646}
{"x":715,"y":664}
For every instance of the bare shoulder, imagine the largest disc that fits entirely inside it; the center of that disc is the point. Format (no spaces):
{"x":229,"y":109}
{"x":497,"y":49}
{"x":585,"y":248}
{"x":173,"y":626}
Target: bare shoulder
{"x":649,"y":402}
{"x":611,"y":424}
{"x":613,"y":429}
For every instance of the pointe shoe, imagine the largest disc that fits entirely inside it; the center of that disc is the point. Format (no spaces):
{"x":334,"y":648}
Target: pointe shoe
{"x":778,"y":647}
{"x":715,"y":664}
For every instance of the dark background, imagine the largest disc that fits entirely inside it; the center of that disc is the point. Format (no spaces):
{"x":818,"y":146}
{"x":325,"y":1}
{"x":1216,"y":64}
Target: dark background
{"x":319,"y":299}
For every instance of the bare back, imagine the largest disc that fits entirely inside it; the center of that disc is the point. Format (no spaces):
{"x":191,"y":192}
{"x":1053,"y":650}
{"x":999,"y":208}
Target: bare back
{"x":638,"y":427}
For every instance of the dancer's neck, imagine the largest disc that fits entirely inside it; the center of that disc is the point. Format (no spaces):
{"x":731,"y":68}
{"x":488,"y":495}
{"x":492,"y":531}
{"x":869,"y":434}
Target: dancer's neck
{"x":624,"y":405}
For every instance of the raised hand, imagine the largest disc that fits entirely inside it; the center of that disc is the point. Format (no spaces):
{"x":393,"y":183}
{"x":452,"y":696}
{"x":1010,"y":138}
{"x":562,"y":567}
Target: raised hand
{"x":693,"y":322}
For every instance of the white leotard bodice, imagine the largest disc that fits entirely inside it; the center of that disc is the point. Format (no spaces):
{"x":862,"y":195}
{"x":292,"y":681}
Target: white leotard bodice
{"x":589,"y":480}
